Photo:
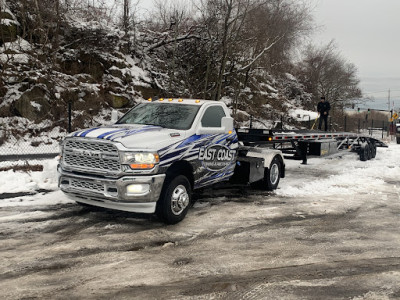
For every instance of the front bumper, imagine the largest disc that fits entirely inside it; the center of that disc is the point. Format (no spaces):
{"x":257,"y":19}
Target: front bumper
{"x":113,"y":193}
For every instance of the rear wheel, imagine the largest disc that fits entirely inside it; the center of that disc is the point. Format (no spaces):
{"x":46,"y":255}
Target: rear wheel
{"x":174,"y":200}
{"x":398,"y":139}
{"x":272,"y":175}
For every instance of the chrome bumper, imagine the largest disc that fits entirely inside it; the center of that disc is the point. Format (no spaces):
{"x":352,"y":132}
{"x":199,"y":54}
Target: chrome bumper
{"x":112,"y":193}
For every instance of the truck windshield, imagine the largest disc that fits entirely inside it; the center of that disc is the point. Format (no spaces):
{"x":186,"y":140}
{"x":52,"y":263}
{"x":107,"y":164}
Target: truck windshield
{"x":167,"y":115}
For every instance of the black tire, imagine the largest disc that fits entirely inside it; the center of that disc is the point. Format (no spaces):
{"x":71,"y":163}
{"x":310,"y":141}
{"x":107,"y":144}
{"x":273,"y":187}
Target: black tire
{"x":174,"y":200}
{"x":370,"y":147}
{"x":373,"y":150}
{"x":398,"y":139}
{"x":272,"y":175}
{"x":364,"y":152}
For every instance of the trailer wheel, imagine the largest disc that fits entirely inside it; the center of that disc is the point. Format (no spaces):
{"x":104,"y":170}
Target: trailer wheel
{"x":174,"y":200}
{"x":370,"y":147}
{"x":373,"y":150}
{"x":272,"y":175}
{"x":364,"y":152}
{"x":398,"y":139}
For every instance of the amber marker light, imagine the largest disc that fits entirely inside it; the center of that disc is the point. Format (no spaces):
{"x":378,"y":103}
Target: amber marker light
{"x":149,"y":99}
{"x":142,"y":166}
{"x":230,"y":132}
{"x":161,"y":99}
{"x":180,"y":100}
{"x":170,"y":99}
{"x":269,"y":138}
{"x":197,"y":101}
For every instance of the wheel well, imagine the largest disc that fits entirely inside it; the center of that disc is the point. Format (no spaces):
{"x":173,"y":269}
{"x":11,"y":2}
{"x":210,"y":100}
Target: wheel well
{"x":181,"y":168}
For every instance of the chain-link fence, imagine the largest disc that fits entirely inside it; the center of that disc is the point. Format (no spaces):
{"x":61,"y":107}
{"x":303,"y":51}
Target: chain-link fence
{"x":22,"y":141}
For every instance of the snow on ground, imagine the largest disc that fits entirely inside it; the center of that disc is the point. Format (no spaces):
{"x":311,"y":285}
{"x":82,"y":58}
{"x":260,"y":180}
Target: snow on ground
{"x":25,"y":182}
{"x":303,"y":115}
{"x":345,"y":174}
{"x":339,"y":175}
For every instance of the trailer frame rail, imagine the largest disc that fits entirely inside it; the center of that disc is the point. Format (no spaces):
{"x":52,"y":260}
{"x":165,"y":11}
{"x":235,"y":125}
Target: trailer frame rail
{"x":297,"y":144}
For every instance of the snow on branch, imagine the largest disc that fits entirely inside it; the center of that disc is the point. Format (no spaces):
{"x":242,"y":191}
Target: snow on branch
{"x":169,"y":41}
{"x":245,"y":68}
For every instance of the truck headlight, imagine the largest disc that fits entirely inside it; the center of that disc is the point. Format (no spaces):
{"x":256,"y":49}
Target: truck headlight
{"x":140,"y":160}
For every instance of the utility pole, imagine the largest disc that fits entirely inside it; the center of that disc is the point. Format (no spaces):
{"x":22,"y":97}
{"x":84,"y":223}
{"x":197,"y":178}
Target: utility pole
{"x":389,"y":100}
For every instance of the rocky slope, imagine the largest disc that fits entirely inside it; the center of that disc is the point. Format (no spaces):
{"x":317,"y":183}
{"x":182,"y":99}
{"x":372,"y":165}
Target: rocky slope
{"x":90,"y":66}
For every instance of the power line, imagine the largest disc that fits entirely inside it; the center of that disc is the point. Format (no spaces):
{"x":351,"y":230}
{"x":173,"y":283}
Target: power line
{"x":381,"y":92}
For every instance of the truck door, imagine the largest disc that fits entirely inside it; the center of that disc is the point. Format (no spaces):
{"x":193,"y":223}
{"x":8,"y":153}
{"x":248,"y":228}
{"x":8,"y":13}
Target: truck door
{"x":217,"y":155}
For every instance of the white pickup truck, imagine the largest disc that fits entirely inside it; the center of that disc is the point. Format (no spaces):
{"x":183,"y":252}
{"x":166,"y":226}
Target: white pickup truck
{"x":153,"y":157}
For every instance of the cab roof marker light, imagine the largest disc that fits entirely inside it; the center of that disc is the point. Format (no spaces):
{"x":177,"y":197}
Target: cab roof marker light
{"x":161,"y":99}
{"x":149,"y":99}
{"x":197,"y":101}
{"x":180,"y":100}
{"x":170,"y":99}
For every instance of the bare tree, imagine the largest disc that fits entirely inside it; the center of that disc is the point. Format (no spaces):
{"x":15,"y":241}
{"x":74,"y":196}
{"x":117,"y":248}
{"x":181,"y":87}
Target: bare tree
{"x":126,"y":16}
{"x":286,"y":22}
{"x":175,"y":23}
{"x":325,"y":72}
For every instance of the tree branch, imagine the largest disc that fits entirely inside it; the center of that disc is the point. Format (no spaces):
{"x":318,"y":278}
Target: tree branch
{"x":245,"y":68}
{"x":169,"y":41}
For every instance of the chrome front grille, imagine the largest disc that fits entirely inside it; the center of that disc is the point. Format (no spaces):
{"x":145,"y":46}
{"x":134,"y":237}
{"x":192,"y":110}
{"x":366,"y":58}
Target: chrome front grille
{"x":92,"y":146}
{"x":100,"y":157}
{"x":91,"y":162}
{"x":87,"y":185}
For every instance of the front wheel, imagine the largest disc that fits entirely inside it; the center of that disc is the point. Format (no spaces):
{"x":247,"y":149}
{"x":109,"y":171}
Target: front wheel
{"x":174,"y":200}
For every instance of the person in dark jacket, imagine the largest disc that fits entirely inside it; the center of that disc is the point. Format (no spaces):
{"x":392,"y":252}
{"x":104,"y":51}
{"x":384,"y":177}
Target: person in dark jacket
{"x":323,"y":109}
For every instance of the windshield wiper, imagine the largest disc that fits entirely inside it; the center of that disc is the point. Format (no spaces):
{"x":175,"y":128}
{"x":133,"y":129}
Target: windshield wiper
{"x":163,"y":126}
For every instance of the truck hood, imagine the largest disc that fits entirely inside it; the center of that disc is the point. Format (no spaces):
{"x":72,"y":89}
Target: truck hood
{"x":135,"y":136}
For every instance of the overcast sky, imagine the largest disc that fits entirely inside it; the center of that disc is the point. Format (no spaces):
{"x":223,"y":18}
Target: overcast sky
{"x":367,"y":32}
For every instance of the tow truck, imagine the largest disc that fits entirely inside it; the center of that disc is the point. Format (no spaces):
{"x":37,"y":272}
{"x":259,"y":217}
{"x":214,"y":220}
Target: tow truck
{"x":155,"y":155}
{"x":152,"y":158}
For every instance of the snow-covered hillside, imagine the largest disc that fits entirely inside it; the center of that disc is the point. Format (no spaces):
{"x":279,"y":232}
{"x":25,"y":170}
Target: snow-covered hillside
{"x":94,"y":65}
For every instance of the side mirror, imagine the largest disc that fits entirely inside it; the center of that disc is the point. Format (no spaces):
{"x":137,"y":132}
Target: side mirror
{"x":227,"y":124}
{"x":226,"y":127}
{"x":114,"y":116}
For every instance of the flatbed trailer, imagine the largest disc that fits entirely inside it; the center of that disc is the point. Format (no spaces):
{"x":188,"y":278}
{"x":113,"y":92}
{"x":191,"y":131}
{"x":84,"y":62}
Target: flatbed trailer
{"x":300,"y":144}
